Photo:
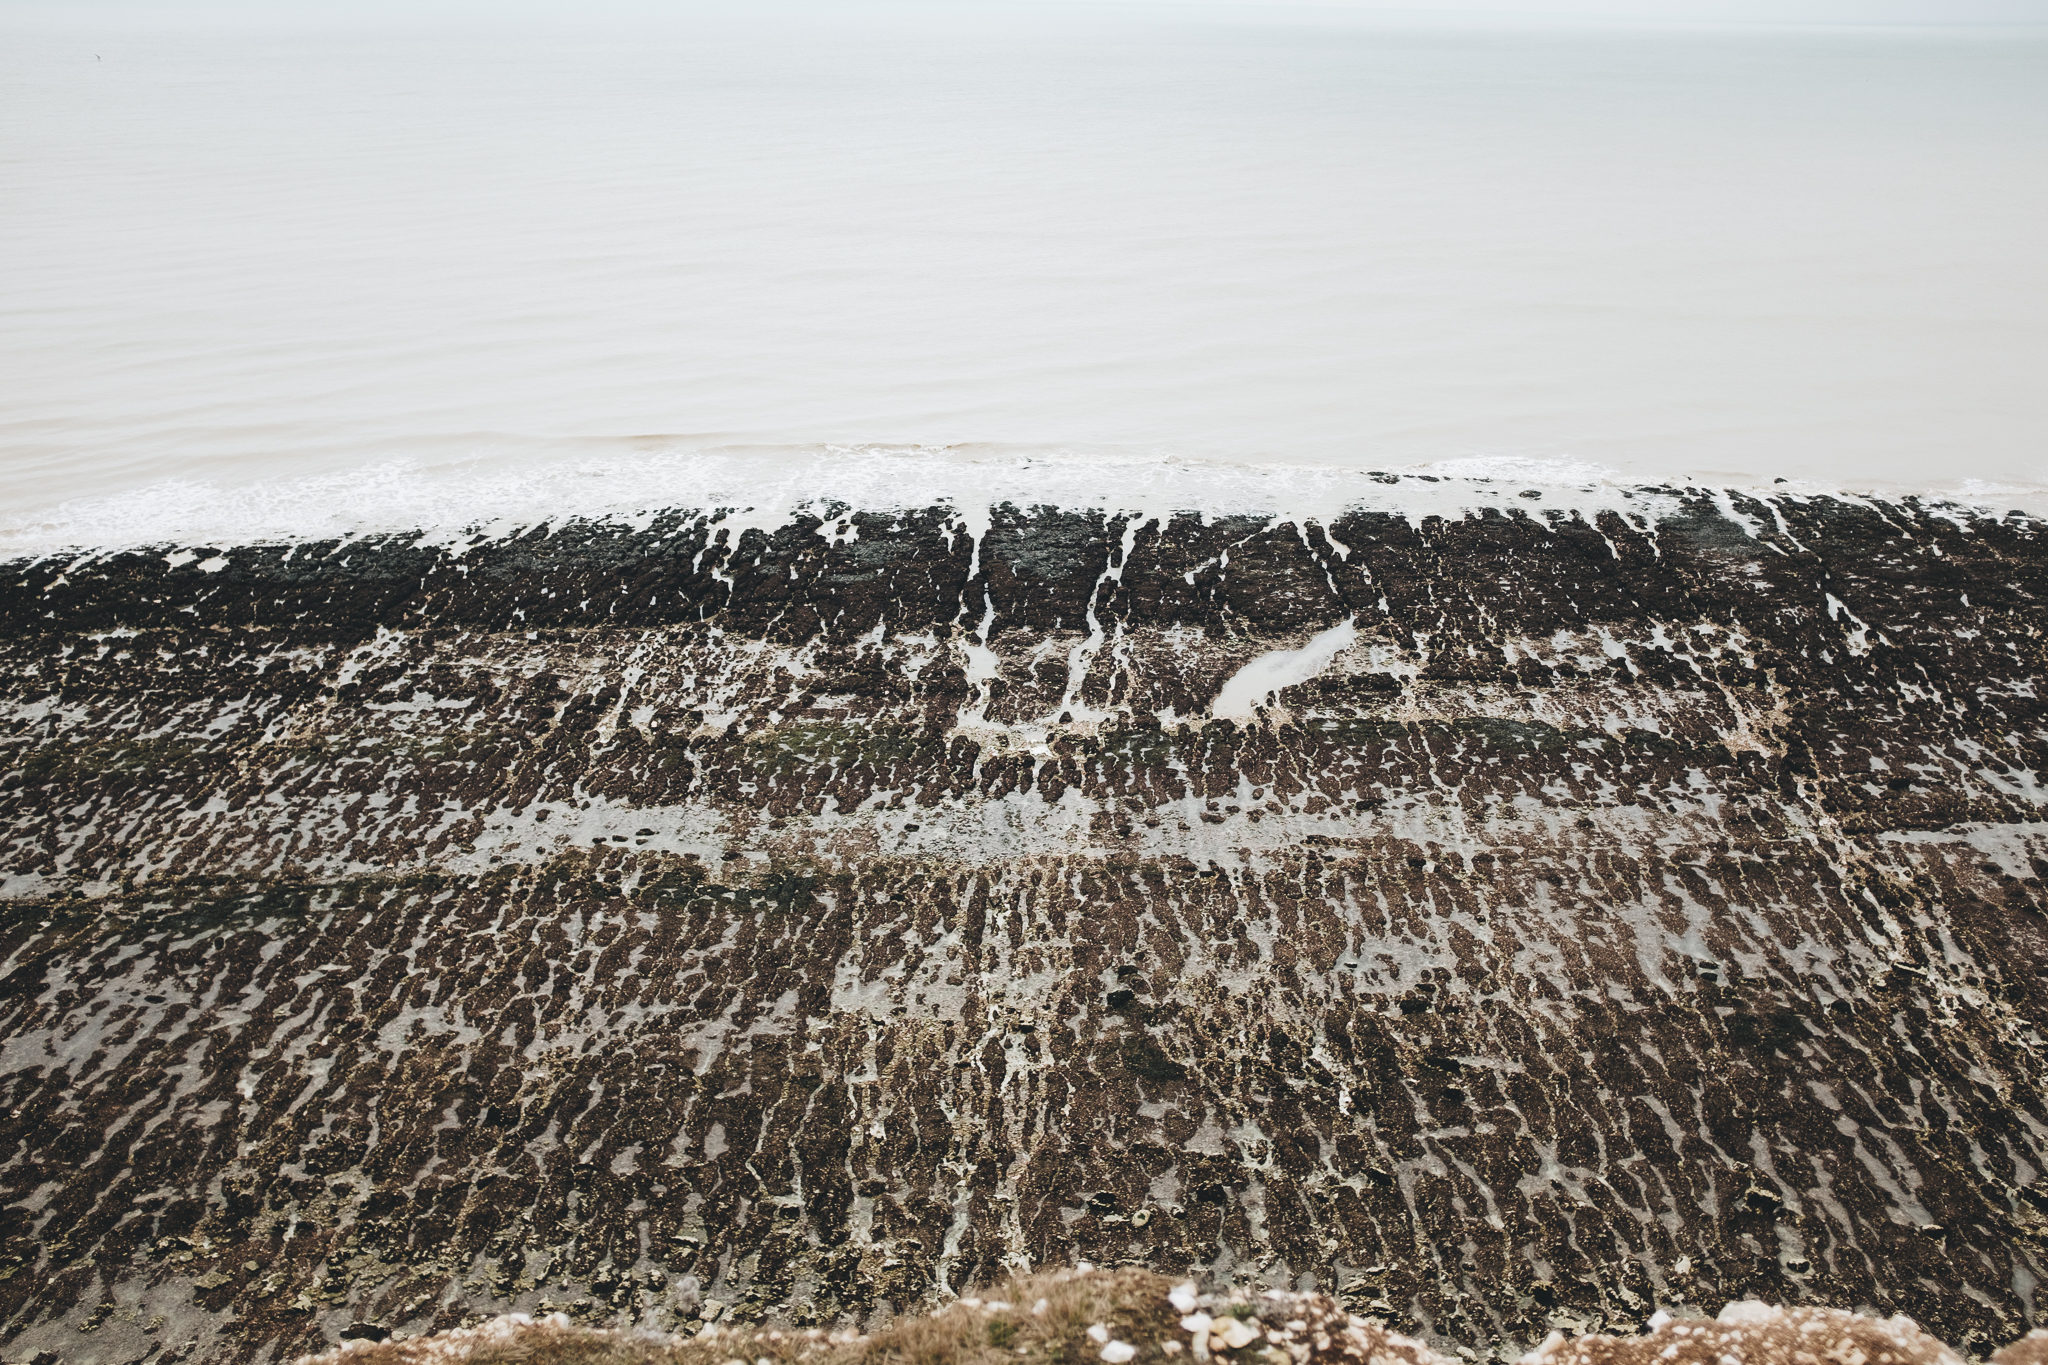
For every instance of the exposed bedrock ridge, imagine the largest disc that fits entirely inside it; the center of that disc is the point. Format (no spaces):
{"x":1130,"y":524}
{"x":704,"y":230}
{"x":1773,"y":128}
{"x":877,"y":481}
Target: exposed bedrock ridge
{"x":1611,"y":915}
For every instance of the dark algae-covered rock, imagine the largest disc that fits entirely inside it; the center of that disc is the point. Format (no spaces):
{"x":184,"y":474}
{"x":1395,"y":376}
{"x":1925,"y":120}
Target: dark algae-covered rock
{"x":1518,"y":919}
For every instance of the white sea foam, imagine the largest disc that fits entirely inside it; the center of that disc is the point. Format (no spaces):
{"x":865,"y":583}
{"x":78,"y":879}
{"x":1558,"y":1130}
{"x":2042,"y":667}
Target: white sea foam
{"x":1255,"y":684}
{"x":764,"y":487}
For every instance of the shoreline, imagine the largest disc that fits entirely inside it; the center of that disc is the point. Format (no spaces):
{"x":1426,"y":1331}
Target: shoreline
{"x":764,"y":488}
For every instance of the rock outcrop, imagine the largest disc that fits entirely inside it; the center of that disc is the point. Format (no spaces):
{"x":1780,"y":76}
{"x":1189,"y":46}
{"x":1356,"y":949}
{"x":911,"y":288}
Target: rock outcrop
{"x":1511,"y":921}
{"x":1127,"y":1317}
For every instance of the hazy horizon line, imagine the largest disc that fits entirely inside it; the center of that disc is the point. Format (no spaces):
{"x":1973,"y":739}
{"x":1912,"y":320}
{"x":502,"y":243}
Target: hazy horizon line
{"x":1893,"y":15}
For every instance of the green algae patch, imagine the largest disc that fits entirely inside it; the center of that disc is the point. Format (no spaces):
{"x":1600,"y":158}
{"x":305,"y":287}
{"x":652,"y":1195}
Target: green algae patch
{"x":63,"y":762}
{"x":799,"y":746}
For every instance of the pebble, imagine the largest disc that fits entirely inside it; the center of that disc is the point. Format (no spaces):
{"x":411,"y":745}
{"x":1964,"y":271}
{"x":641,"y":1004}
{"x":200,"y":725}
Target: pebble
{"x":1236,"y":1333}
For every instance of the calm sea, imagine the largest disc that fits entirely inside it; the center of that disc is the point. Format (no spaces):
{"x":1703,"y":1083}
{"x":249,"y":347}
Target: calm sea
{"x":271,"y":272}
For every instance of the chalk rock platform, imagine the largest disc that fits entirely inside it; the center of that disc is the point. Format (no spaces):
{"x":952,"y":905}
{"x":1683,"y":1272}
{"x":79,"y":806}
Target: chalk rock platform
{"x":1516,"y":920}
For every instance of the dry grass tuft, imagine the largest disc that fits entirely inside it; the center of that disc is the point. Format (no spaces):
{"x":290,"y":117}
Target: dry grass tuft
{"x":1134,"y":1317}
{"x":2031,"y":1349}
{"x":1073,"y":1317}
{"x":1755,"y":1332}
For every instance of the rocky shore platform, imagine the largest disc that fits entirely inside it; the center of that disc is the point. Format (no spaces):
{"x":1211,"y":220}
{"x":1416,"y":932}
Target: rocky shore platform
{"x":1524,"y":918}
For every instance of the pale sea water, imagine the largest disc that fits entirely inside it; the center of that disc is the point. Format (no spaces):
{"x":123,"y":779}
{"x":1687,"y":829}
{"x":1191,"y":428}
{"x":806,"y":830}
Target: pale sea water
{"x":259,"y":276}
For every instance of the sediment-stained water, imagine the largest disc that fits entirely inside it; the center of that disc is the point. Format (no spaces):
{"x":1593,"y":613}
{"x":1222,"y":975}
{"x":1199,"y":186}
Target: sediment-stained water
{"x":1507,"y":916}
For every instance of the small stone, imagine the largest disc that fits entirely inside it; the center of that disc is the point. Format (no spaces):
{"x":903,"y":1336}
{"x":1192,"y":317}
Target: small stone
{"x":1237,"y":1333}
{"x":1118,"y":1352}
{"x":1183,"y":1297}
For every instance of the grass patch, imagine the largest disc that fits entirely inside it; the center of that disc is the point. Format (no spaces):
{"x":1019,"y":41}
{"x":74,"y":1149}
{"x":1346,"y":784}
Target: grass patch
{"x":1071,"y":1317}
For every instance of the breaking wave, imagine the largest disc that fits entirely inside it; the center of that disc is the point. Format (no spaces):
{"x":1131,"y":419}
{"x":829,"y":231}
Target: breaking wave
{"x":765,"y":485}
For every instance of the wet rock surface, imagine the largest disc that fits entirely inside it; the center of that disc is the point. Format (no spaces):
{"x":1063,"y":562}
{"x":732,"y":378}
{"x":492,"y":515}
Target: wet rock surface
{"x":680,"y":921}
